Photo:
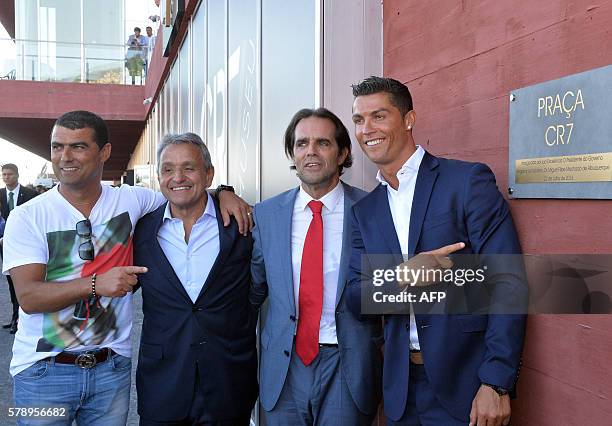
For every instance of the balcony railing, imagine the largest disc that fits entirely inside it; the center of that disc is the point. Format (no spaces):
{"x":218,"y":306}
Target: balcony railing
{"x":40,"y":60}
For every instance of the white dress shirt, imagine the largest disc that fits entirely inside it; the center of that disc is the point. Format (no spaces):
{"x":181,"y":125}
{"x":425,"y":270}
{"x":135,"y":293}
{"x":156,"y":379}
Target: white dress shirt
{"x":191,"y":261}
{"x":333,"y":223}
{"x":400,"y":204}
{"x":15,"y":195}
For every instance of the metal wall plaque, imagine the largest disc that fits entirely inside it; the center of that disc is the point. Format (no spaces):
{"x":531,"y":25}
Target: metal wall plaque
{"x":561,"y":138}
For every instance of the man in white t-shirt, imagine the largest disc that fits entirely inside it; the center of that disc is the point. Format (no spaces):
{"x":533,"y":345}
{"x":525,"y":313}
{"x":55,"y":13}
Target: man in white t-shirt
{"x":70,"y":255}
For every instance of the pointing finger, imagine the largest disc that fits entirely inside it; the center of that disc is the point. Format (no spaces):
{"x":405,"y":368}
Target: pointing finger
{"x":136,"y":269}
{"x":451,"y":248}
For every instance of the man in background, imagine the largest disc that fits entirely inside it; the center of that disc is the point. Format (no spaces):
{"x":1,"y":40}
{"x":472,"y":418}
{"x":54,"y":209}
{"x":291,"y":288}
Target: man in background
{"x":136,"y":56}
{"x":11,"y":196}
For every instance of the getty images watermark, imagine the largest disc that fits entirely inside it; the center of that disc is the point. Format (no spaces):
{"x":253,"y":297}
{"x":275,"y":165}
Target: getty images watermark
{"x":402,"y":278}
{"x":486,"y":284}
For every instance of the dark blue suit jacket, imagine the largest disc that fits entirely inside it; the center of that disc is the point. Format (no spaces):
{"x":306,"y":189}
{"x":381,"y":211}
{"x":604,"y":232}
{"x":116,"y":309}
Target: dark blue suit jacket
{"x":454,"y":201}
{"x":213,"y":337}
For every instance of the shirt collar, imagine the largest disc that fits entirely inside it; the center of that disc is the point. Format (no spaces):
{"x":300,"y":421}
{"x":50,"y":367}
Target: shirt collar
{"x":15,"y":190}
{"x":209,"y":210}
{"x":409,"y":169}
{"x":329,"y":200}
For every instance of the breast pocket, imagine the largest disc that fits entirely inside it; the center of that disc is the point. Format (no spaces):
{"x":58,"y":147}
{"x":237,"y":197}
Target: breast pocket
{"x":438,"y":219}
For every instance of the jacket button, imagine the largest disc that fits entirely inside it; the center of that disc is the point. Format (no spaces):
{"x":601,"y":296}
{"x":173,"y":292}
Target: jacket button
{"x":292,"y":318}
{"x":196,"y":309}
{"x":286,"y":353}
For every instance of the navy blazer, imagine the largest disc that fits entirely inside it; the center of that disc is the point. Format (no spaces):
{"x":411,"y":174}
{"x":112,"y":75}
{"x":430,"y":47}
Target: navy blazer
{"x":213,"y":337}
{"x":25,"y":194}
{"x":358,"y":342}
{"x":454,"y":201}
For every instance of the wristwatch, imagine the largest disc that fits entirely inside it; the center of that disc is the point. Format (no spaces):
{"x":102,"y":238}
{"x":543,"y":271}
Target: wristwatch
{"x":500,"y":391}
{"x":223,"y":188}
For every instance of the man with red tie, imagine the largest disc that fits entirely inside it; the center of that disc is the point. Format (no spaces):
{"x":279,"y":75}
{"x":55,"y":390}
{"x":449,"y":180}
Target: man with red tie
{"x":319,"y":365}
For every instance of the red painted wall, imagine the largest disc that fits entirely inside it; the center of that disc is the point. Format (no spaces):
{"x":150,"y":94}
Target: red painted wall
{"x":28,"y":110}
{"x":39,"y":99}
{"x":461,"y":58}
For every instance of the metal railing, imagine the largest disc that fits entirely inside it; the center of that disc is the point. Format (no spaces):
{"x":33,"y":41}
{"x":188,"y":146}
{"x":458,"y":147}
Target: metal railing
{"x":41,"y":60}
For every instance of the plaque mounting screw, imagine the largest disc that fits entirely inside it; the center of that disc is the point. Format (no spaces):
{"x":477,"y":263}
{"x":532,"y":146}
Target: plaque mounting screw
{"x":510,"y":190}
{"x":512,"y":97}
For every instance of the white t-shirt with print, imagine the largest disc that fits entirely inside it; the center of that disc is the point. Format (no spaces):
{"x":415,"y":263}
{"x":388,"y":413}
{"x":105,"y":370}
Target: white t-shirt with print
{"x":44,"y":231}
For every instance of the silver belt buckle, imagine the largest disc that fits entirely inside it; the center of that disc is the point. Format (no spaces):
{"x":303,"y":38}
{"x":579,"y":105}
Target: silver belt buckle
{"x":86,"y":360}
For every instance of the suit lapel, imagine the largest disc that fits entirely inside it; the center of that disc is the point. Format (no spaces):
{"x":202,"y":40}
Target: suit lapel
{"x":3,"y":203}
{"x":345,"y":254}
{"x":226,"y":238}
{"x":21,"y":198}
{"x":284,"y":219}
{"x":385,"y":223}
{"x":422,"y":192}
{"x":157,"y":253}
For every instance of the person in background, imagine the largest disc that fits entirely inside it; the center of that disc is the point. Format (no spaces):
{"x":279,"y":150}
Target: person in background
{"x":135,"y":56}
{"x":11,"y":196}
{"x":149,"y":49}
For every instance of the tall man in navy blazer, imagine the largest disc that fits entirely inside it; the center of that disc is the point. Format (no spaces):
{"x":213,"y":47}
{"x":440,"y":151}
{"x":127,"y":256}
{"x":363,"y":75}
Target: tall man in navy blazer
{"x":332,"y":374}
{"x":11,"y":196}
{"x":439,"y":369}
{"x":197,"y":362}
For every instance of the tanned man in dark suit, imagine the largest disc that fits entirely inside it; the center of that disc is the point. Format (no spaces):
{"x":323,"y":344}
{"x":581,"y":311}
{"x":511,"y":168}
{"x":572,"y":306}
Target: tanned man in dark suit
{"x":13,"y":195}
{"x":198,"y":361}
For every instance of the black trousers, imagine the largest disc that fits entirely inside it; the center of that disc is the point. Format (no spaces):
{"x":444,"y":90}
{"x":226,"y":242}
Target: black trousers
{"x":197,"y":415}
{"x":14,"y":300}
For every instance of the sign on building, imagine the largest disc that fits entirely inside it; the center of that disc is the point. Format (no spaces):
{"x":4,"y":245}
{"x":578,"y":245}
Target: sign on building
{"x":561,"y":138}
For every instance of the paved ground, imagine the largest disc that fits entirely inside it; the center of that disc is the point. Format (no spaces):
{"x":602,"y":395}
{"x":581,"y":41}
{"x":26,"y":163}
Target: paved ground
{"x":6,"y":344}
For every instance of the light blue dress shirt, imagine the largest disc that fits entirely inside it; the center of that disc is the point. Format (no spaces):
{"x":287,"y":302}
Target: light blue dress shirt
{"x":191,"y":261}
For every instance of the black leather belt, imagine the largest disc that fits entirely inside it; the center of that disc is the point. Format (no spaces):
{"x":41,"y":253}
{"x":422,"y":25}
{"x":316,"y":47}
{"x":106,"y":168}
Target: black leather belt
{"x":85,"y":360}
{"x":328,"y":345}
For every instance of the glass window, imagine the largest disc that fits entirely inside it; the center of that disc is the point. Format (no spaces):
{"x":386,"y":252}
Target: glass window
{"x":104,"y":39}
{"x":216,"y":88}
{"x":288,"y":83}
{"x":184,"y":86}
{"x":60,"y":21}
{"x":174,"y":103}
{"x":198,"y":73}
{"x":243,"y":111}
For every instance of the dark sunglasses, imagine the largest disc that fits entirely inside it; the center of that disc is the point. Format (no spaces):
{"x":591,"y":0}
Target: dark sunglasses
{"x":86,"y":248}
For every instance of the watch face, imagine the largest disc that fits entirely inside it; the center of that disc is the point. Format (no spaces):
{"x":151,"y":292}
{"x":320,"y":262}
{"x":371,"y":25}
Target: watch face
{"x":501,"y":391}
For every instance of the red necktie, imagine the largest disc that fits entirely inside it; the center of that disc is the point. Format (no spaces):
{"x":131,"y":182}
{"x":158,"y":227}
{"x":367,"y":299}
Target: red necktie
{"x":311,"y":288}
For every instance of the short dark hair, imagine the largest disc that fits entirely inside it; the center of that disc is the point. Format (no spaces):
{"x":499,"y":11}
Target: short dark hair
{"x":398,"y":93}
{"x":341,"y":135}
{"x":10,"y":166}
{"x":85,"y":119}
{"x":149,"y":28}
{"x":137,"y":29}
